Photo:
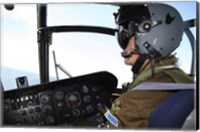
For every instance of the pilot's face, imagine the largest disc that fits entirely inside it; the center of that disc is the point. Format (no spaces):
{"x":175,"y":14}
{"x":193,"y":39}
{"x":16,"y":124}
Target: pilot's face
{"x":132,"y":59}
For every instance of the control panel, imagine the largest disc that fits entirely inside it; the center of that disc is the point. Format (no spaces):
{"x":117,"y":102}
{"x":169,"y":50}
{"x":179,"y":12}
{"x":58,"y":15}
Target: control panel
{"x":60,"y":102}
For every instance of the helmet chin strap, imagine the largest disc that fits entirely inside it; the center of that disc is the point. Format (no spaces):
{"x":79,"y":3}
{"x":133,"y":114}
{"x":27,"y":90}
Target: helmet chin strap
{"x":140,"y":62}
{"x":137,"y":66}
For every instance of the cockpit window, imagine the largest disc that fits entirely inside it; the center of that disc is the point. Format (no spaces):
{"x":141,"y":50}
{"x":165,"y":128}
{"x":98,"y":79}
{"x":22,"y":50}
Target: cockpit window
{"x":82,"y":53}
{"x":19,"y":48}
{"x":81,"y":14}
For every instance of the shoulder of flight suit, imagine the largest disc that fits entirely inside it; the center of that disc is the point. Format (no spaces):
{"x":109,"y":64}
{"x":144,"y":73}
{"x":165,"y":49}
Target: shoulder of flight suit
{"x":133,"y":108}
{"x":137,"y":106}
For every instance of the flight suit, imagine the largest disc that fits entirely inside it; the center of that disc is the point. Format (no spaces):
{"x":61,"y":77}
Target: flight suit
{"x":133,"y":109}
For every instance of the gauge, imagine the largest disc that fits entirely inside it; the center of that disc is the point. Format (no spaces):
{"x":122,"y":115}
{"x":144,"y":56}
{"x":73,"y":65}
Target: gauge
{"x":89,"y":108}
{"x":59,"y":95}
{"x":73,"y":100}
{"x":50,"y":120}
{"x":76,"y":112}
{"x":47,"y":108}
{"x":44,"y":98}
{"x":87,"y":99}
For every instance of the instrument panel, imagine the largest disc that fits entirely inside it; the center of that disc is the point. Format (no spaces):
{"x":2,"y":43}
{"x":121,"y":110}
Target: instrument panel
{"x":60,"y":102}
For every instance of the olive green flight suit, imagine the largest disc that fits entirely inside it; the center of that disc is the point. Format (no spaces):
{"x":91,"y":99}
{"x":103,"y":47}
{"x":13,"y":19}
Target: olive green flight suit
{"x":133,"y":109}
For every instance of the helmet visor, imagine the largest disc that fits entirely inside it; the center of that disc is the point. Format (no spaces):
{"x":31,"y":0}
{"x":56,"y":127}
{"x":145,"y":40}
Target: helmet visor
{"x":123,"y":36}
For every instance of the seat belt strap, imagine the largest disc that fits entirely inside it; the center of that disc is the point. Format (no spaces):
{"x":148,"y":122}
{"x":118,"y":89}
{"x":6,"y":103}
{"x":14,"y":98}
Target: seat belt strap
{"x":164,"y":86}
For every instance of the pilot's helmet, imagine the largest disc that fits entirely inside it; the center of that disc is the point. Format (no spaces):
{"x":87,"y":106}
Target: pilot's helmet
{"x":158,"y":28}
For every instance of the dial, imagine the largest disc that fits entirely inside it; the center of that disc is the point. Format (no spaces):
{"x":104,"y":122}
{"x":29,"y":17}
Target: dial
{"x":73,"y":100}
{"x":59,"y":95}
{"x":87,"y":99}
{"x":76,"y":112}
{"x":47,"y":108}
{"x":44,"y":98}
{"x":50,"y":120}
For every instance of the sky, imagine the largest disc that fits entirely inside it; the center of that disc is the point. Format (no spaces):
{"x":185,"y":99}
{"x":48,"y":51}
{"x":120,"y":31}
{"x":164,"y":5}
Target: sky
{"x":78,"y":53}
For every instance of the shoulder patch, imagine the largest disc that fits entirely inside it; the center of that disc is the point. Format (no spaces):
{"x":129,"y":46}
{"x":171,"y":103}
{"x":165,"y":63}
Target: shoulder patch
{"x":116,"y":106}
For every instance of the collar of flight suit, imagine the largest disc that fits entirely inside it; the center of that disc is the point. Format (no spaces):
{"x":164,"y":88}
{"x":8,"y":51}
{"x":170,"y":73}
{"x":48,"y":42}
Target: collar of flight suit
{"x":167,"y":66}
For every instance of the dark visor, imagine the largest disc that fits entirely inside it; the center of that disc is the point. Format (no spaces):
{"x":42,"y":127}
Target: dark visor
{"x":123,"y":36}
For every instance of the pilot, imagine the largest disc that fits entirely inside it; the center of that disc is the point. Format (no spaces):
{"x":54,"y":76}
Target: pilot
{"x":148,"y":34}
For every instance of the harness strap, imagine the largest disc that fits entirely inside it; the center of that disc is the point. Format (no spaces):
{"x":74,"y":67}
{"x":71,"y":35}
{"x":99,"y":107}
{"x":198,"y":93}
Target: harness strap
{"x":164,"y":86}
